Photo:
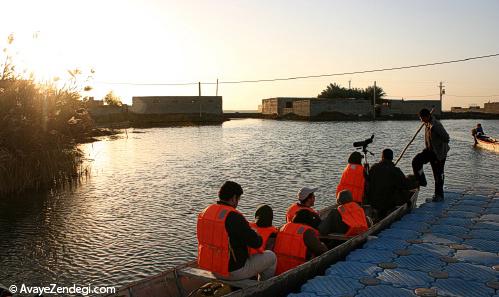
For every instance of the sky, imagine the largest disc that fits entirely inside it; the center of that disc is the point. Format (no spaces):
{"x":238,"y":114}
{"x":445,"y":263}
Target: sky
{"x":133,"y":42}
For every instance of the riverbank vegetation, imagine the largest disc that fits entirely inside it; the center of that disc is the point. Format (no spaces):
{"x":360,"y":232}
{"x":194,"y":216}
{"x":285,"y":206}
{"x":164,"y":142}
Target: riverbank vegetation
{"x":40,"y":126}
{"x":336,"y":91}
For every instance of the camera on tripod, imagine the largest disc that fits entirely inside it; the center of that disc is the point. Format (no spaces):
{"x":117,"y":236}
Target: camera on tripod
{"x":363,"y":144}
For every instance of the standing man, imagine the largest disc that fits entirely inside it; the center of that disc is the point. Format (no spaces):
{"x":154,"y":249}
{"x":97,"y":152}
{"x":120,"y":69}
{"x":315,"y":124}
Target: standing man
{"x":435,"y":152}
{"x":224,"y":236}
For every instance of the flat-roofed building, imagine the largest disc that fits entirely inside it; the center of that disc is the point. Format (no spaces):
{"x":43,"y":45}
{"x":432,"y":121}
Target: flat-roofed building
{"x":317,"y":106}
{"x":280,"y":106}
{"x":491,"y":107}
{"x":193,"y":105}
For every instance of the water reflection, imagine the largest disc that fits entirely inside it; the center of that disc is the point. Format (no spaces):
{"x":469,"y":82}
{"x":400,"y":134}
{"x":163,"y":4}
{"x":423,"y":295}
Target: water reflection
{"x":136,"y":215}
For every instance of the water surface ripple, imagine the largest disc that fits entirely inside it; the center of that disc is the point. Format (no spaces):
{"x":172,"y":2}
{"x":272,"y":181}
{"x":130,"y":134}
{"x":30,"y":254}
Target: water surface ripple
{"x":135,"y":216}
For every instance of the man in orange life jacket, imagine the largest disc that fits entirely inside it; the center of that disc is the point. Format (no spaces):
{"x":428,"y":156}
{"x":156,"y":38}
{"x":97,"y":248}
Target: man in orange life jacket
{"x":297,"y":242}
{"x":348,"y":218}
{"x":353,"y":178}
{"x":224,"y":237}
{"x":263,"y":226}
{"x":306,"y":199}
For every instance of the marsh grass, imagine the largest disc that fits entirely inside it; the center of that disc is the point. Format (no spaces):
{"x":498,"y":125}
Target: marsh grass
{"x":40,"y":126}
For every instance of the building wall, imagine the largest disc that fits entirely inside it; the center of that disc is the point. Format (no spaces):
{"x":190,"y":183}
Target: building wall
{"x":410,"y":107}
{"x":177,"y":105}
{"x":491,"y":107}
{"x":302,"y":107}
{"x":344,"y":106}
{"x":269,"y":106}
{"x":280,"y":105}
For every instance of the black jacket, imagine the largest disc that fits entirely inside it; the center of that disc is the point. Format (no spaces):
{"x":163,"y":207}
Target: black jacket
{"x":241,"y":236}
{"x":388,"y":187}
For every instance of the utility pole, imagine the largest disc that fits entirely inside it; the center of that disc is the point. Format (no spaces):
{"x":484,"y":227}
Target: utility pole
{"x":349,"y":83}
{"x":374,"y":101}
{"x":442,"y":92}
{"x":199,"y":87}
{"x":216,"y":94}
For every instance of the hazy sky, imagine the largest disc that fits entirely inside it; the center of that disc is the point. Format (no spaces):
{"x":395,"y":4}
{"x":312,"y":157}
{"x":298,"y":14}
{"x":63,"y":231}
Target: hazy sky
{"x":147,"y":41}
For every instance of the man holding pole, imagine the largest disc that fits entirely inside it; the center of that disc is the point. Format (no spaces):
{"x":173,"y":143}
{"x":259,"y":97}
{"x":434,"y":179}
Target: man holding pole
{"x":435,"y":152}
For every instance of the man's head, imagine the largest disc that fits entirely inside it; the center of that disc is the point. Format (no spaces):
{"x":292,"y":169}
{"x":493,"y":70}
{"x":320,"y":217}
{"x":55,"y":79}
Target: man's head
{"x":355,"y":158}
{"x":264,"y":216}
{"x":306,"y":217}
{"x":230,"y":192}
{"x":425,"y":115}
{"x":387,"y":155}
{"x":479,"y":125}
{"x":343,"y":197}
{"x":306,"y":196}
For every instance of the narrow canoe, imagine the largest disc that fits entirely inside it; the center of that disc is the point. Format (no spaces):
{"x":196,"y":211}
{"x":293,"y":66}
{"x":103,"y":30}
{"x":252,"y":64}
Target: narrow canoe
{"x":492,"y":145}
{"x":180,"y":281}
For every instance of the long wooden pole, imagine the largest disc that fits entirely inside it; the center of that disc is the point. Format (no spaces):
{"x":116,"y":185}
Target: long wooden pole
{"x":410,"y":142}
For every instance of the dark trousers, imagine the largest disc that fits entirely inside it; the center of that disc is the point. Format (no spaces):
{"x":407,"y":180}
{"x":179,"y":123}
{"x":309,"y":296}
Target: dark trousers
{"x":436,"y":166}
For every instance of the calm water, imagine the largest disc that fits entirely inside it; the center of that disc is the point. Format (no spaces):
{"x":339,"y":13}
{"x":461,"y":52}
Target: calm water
{"x":136,"y":215}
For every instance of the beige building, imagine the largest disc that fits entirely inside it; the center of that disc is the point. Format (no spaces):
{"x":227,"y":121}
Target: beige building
{"x":193,"y":105}
{"x":491,"y":107}
{"x":316,"y":106}
{"x":311,"y":107}
{"x":280,"y":106}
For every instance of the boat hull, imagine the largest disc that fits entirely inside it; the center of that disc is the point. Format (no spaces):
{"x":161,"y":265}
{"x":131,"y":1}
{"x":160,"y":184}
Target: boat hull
{"x":488,"y":145}
{"x":174,"y":283}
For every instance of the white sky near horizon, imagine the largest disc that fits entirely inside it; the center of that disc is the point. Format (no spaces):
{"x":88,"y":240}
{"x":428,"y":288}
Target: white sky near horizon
{"x":159,"y":41}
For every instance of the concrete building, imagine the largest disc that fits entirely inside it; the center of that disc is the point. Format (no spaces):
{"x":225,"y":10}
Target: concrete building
{"x":315,"y":106}
{"x":394,"y":107}
{"x":280,"y":106}
{"x":177,"y":105}
{"x":491,"y":107}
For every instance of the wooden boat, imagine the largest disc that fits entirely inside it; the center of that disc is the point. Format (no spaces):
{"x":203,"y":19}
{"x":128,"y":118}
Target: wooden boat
{"x":489,"y":144}
{"x":182,"y":280}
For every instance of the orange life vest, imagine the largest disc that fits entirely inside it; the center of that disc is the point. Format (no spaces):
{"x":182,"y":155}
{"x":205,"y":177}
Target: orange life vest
{"x":213,"y":241}
{"x":294,"y":208}
{"x":265,"y":233}
{"x":353,"y":215}
{"x":353,"y":179}
{"x":290,"y":248}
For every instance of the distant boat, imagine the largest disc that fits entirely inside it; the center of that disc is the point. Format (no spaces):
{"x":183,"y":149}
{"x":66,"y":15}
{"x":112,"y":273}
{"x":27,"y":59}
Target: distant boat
{"x":487,"y":143}
{"x":185,"y":279}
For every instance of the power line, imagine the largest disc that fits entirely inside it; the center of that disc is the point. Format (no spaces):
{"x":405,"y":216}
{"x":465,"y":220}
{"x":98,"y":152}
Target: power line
{"x":147,"y":84}
{"x":477,"y":96}
{"x":309,"y":76}
{"x":413,"y":96}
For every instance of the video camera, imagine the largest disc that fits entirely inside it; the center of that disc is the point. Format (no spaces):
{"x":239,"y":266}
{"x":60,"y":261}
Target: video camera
{"x":363,"y":144}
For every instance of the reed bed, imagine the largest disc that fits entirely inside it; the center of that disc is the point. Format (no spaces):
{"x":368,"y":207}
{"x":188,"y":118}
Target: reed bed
{"x":40,"y":126}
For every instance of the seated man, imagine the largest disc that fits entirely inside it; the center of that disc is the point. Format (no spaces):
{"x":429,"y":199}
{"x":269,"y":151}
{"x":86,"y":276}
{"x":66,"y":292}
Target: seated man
{"x":388,"y":186}
{"x":263,"y":226}
{"x":353,"y":178}
{"x":224,"y":237}
{"x":297,"y":242}
{"x":348,"y":218}
{"x":306,"y":199}
{"x":479,"y":130}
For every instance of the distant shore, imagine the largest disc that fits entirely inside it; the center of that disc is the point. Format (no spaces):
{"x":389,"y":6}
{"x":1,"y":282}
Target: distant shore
{"x":122,"y":121}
